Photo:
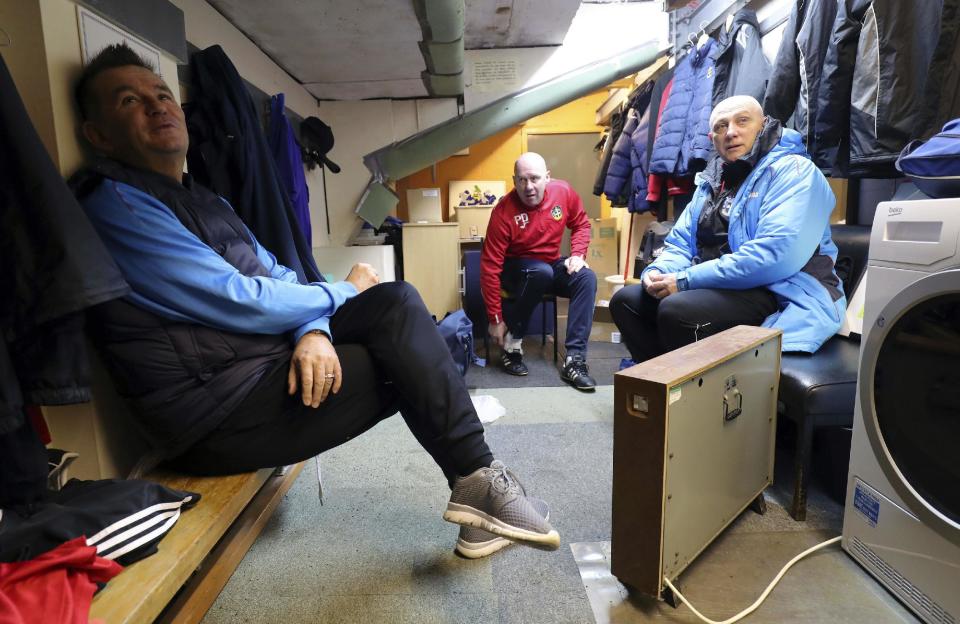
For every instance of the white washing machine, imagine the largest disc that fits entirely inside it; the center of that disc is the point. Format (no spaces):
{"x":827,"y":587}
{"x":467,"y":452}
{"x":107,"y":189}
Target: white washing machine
{"x":902,"y":516}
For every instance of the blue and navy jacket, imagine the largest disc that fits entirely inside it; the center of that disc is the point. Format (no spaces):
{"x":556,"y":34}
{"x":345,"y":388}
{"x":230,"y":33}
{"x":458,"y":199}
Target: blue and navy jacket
{"x":779,"y":236}
{"x":683,"y":145}
{"x":627,"y":174}
{"x":619,"y":172}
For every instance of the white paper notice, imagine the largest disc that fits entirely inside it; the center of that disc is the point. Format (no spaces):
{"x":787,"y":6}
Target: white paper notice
{"x":495,"y":75}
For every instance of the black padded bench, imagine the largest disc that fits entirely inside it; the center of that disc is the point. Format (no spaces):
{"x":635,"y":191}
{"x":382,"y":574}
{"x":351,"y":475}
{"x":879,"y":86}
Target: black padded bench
{"x":819,"y":390}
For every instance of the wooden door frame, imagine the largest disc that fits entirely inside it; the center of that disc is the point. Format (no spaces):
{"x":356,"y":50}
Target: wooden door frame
{"x":576,"y":129}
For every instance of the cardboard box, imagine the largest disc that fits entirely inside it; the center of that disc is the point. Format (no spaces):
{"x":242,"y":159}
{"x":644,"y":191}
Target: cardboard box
{"x":602,"y":254}
{"x":473,"y":221}
{"x":423,"y":205}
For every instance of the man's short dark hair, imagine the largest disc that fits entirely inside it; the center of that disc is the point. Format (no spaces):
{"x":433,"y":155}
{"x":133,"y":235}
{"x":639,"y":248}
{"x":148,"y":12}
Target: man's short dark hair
{"x":112,"y":56}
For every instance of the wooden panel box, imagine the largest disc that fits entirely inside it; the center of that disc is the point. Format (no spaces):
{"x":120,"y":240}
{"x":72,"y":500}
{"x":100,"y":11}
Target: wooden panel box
{"x":693,"y":447}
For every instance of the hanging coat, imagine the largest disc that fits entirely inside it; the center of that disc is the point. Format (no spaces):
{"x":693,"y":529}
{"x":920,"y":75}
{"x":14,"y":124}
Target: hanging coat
{"x":872,"y":95}
{"x":795,"y":81}
{"x":627,"y":175}
{"x":683,"y":146}
{"x":54,"y":267}
{"x":617,"y":121}
{"x":639,"y":160}
{"x":740,"y":65}
{"x":286,"y":153}
{"x":229,"y":154}
{"x":619,"y":171}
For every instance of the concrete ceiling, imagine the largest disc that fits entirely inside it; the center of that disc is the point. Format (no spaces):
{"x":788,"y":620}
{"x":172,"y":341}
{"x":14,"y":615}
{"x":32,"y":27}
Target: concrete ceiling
{"x":362,"y":49}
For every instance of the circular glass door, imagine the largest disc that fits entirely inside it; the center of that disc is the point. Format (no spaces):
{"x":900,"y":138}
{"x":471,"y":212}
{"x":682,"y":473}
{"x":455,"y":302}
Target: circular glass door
{"x":911,"y":367}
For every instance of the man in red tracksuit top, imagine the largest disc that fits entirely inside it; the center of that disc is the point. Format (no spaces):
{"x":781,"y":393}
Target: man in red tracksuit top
{"x":521,"y":255}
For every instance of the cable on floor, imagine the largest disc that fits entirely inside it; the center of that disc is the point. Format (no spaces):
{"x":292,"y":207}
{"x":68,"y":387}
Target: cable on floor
{"x":762,"y":597}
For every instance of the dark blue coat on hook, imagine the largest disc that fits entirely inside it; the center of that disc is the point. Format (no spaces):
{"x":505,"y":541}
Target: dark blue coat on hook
{"x":229,"y":154}
{"x":682,"y":146}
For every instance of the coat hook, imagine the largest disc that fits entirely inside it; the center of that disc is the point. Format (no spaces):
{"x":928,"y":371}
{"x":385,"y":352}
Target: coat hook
{"x":5,"y":39}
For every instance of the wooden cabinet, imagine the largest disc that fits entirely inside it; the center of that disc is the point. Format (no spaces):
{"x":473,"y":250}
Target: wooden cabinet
{"x":431,"y":262}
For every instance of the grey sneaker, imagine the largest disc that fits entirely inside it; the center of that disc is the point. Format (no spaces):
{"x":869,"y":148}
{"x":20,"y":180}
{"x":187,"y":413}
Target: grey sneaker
{"x":474,"y":543}
{"x":493,"y":500}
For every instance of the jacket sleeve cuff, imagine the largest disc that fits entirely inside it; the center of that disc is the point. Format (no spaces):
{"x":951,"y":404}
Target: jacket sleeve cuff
{"x":695,"y":275}
{"x":339,"y":292}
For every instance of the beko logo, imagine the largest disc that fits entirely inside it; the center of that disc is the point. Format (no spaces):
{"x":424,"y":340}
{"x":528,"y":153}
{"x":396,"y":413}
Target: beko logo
{"x":894,"y":210}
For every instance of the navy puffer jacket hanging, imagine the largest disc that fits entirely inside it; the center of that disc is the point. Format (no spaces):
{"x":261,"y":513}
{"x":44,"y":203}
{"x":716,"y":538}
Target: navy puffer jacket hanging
{"x":627,"y":173}
{"x":682,"y":146}
{"x":619,"y":172}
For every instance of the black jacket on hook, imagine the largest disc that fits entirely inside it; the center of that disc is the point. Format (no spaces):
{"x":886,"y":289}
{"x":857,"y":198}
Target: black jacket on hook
{"x":795,"y":80}
{"x":229,"y":154}
{"x":875,"y":80}
{"x":54,"y":266}
{"x":741,"y":67}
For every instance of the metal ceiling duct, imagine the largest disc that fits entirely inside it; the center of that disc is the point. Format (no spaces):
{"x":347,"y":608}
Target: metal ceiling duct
{"x":442,"y":23}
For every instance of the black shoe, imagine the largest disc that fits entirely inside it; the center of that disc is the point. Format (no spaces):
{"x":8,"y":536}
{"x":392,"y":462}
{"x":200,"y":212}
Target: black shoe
{"x":576,"y":374}
{"x":513,"y":363}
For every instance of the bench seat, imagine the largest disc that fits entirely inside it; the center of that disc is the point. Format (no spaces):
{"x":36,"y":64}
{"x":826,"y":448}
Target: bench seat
{"x":196,"y":558}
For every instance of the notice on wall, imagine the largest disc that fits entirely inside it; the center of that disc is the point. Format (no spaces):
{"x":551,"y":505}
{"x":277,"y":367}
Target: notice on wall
{"x":96,"y":33}
{"x":495,"y":74}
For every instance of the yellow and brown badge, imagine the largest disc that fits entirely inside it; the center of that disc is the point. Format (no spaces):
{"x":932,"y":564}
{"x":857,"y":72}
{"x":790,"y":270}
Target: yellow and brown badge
{"x":557,"y":213}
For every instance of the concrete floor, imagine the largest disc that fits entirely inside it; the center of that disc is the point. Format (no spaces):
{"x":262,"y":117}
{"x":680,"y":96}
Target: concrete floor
{"x":378,"y":551}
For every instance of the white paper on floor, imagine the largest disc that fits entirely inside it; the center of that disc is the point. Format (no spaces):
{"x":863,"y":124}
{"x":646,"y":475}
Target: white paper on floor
{"x":489,"y":408}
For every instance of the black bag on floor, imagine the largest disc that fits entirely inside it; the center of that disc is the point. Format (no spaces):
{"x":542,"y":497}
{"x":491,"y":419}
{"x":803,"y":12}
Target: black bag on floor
{"x":651,"y":245}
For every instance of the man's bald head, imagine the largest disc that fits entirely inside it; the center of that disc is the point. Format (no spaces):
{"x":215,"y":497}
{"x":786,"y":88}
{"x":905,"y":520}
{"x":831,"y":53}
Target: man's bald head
{"x":530,"y":177}
{"x":734,"y":125}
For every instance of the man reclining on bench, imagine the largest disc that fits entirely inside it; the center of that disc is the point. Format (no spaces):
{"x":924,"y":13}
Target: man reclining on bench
{"x":217,"y":339}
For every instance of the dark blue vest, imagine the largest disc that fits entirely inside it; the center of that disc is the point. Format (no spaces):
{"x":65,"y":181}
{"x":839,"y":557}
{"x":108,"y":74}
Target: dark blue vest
{"x":182,"y":379}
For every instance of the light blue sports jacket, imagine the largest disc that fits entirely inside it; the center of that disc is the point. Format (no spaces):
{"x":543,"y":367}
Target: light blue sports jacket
{"x":779,"y":237}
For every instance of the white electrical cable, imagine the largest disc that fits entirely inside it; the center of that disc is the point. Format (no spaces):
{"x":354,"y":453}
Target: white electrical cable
{"x":762,"y":597}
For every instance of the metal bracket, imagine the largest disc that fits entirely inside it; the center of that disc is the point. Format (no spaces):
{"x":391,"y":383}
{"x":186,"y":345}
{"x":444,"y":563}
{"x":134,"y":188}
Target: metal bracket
{"x":731,"y":395}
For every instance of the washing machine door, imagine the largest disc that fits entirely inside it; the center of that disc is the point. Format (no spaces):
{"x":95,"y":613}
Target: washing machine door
{"x":910,"y":398}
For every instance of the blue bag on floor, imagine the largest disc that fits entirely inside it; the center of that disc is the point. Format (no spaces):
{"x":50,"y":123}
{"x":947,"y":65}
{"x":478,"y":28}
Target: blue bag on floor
{"x":457,"y":330}
{"x":934,"y":166}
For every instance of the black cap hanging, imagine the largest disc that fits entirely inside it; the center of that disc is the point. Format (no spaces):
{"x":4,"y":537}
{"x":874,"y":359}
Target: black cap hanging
{"x":316,"y":139}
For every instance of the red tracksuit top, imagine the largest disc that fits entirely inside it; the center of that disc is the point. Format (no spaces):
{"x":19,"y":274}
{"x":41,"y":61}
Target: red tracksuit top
{"x":518,"y":231}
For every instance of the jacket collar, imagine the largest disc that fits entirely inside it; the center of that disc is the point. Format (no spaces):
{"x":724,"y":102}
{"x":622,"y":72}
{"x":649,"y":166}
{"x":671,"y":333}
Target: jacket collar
{"x":698,"y":55}
{"x":717,"y":169}
{"x":744,"y":17}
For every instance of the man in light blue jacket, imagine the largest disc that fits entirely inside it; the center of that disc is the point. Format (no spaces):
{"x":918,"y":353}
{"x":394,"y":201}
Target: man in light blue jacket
{"x":753,"y":246}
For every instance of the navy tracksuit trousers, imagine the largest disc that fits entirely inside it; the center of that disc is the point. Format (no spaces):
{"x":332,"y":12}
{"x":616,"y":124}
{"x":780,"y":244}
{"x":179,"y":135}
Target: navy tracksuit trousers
{"x":528,"y":280}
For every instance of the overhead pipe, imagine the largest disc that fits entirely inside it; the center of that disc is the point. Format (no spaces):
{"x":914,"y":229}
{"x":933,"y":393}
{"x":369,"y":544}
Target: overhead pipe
{"x":442,"y":24}
{"x":420,"y":150}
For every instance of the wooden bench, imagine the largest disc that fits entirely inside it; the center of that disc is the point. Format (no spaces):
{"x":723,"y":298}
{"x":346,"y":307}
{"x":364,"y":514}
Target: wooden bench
{"x":196,"y":558}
